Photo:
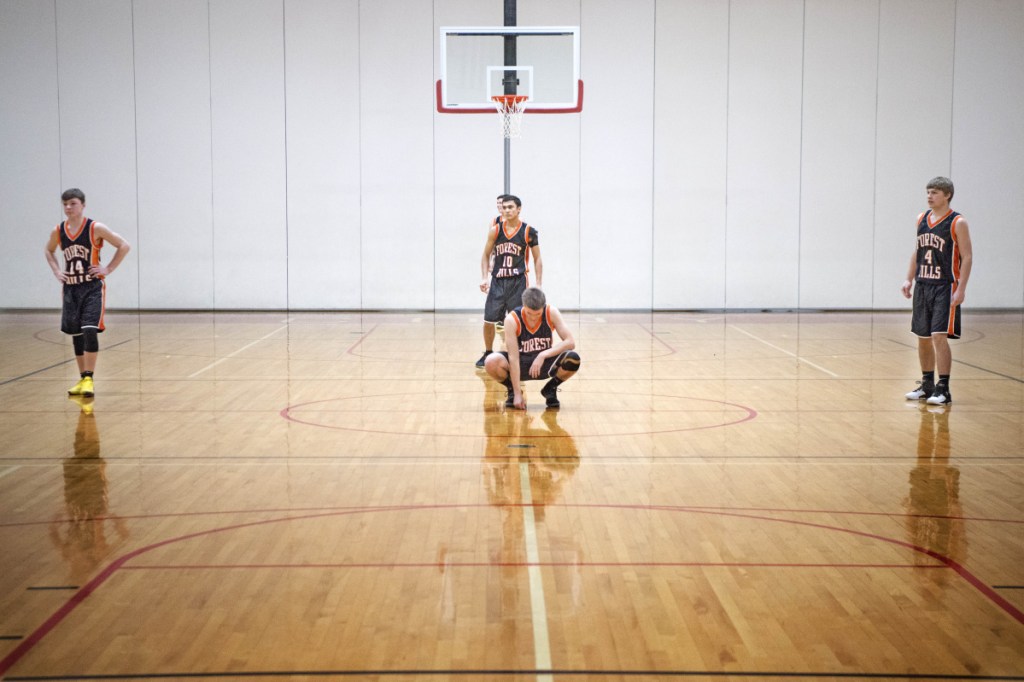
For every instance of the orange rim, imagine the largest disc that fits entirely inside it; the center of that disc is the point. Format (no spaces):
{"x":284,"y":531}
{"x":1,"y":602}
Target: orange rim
{"x":507,"y":101}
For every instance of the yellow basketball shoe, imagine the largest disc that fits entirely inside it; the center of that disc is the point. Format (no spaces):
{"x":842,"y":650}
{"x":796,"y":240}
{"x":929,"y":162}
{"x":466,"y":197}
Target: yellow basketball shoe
{"x":84,"y":387}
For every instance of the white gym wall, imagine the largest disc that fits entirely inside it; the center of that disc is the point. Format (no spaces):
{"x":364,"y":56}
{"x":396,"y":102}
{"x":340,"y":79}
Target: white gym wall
{"x":266,"y":154}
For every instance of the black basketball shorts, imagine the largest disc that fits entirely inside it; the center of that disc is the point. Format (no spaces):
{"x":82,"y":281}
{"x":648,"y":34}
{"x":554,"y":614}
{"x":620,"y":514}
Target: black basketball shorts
{"x":84,"y":305}
{"x":933,"y":313}
{"x":547,"y":370}
{"x":504,"y":296}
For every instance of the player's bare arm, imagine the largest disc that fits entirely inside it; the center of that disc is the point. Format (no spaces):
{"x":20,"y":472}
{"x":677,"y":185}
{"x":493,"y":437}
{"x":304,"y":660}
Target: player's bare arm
{"x":485,"y":260}
{"x":568,"y":341}
{"x":121,"y":246}
{"x":538,"y":266}
{"x":963,"y":240}
{"x":908,"y":282}
{"x":51,"y":255}
{"x":512,"y":348}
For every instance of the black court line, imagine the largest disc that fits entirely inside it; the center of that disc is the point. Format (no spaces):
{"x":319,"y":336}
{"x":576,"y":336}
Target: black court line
{"x":44,"y":369}
{"x":1008,"y":587}
{"x":53,"y":587}
{"x":523,"y":672}
{"x":990,"y":371}
{"x":11,"y":637}
{"x":967,"y":364}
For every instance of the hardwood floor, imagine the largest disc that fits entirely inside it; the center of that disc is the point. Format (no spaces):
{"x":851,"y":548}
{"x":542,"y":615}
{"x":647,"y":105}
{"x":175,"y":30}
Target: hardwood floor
{"x":319,"y":495}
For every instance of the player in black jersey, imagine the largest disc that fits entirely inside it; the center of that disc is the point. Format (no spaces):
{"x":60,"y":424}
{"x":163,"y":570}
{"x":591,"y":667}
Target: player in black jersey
{"x":511,"y":242}
{"x":80,"y":240}
{"x":490,"y":329}
{"x":495,"y":223}
{"x":939,"y":269}
{"x":532,"y":352}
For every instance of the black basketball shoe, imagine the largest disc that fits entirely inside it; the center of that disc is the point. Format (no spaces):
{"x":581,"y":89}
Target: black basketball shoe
{"x":550,"y":393}
{"x":940,"y":396}
{"x":923,"y":391}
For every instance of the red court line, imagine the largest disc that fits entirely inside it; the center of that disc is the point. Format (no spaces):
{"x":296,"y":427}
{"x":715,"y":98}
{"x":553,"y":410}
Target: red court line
{"x":286,"y":413}
{"x":50,"y":623}
{"x":361,"y":339}
{"x":842,"y":512}
{"x":327,"y":510}
{"x":29,"y":642}
{"x":973,"y":580}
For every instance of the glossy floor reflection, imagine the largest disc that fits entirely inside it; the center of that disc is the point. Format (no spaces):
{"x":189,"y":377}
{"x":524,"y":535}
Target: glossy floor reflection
{"x":314,"y":495}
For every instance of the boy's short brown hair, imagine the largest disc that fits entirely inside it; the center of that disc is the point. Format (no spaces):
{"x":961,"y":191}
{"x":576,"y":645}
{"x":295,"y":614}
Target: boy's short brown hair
{"x":944,"y":185}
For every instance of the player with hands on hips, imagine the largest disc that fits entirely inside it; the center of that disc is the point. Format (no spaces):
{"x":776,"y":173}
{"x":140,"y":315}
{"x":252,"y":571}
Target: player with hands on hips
{"x":80,"y":240}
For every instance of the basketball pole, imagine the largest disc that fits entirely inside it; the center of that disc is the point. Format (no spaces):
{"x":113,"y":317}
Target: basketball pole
{"x":510,"y":82}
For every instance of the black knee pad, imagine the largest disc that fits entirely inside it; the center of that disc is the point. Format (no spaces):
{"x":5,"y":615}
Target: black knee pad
{"x":571,"y":361}
{"x":90,"y":342}
{"x":78,"y":343}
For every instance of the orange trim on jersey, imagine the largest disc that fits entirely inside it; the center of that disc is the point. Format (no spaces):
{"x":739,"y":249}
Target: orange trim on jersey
{"x":103,"y":305}
{"x":540,"y":320}
{"x":519,"y":327}
{"x":97,"y":244}
{"x":931,"y":213}
{"x":951,"y":322}
{"x":73,"y":237}
{"x":514,"y":232}
{"x":526,"y":257}
{"x":955,"y":256}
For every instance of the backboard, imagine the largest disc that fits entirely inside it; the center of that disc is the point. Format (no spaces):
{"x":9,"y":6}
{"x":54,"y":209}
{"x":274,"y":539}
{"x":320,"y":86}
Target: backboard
{"x":479,"y":62}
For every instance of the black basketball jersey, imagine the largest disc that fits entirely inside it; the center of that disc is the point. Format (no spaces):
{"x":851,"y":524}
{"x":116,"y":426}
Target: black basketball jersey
{"x":540,"y":338}
{"x":938,"y":253}
{"x":81,"y":251}
{"x":512,"y":250}
{"x":495,"y":224}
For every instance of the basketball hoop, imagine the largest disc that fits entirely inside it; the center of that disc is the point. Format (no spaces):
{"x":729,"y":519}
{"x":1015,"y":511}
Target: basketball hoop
{"x":510,"y":110}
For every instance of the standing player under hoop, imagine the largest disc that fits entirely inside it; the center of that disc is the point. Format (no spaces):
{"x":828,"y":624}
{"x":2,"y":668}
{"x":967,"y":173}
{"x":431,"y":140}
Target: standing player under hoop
{"x":488,"y":341}
{"x":513,"y":242}
{"x":80,"y":240}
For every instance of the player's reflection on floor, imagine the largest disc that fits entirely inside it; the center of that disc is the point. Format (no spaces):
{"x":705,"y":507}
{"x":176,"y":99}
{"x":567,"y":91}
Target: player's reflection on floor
{"x":82,"y":530}
{"x":934,"y":511}
{"x":529,"y":460}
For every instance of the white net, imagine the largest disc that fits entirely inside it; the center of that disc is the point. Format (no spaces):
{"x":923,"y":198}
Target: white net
{"x":510,"y":111}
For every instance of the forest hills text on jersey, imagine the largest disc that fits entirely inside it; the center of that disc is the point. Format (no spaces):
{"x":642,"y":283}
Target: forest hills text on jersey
{"x":931,"y":240}
{"x":928,"y":269}
{"x":75,"y":251}
{"x":505,"y":251}
{"x":534,"y":345}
